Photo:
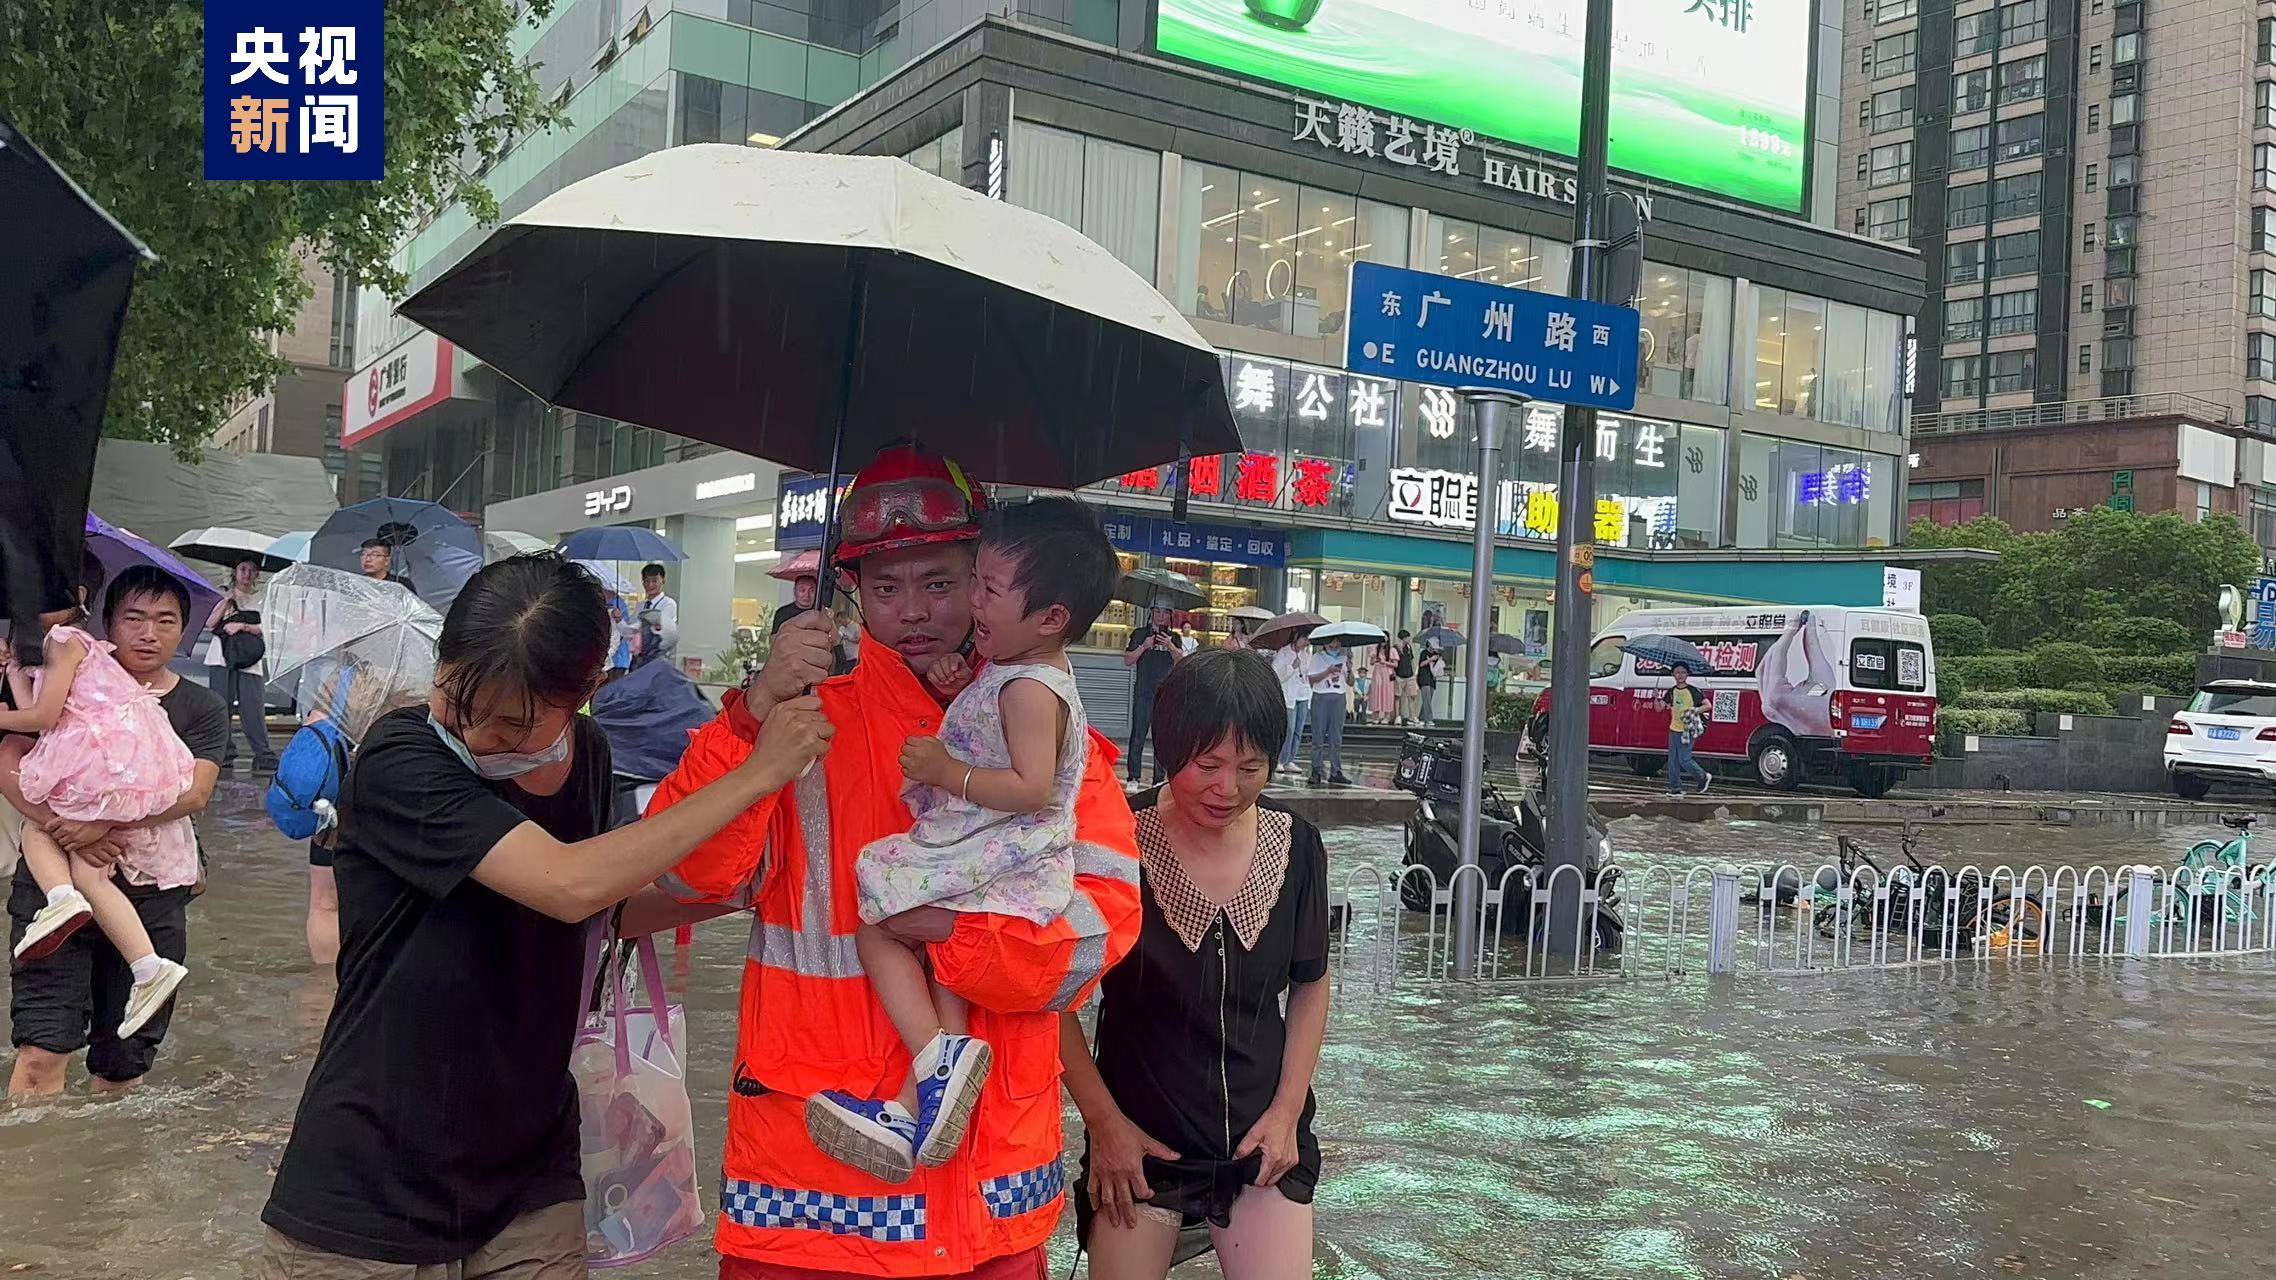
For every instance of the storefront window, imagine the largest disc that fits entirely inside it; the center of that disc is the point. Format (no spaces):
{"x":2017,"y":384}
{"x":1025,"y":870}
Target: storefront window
{"x":1233,"y":566}
{"x":1275,"y":255}
{"x":1687,"y":334}
{"x":1827,"y":360}
{"x":1658,"y":484}
{"x":1474,"y":252}
{"x":1340,"y":596}
{"x":1793,"y":493}
{"x":1109,"y":192}
{"x":943,"y":157}
{"x":1307,"y":428}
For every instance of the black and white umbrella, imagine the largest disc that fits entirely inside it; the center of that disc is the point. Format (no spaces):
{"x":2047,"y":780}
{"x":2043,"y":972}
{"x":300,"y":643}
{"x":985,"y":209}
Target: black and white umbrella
{"x":222,"y":545}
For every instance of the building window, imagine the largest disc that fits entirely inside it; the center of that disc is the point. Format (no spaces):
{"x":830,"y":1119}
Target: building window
{"x":1971,"y":91}
{"x":2094,"y":117}
{"x":2126,"y":50}
{"x":2260,"y":411}
{"x":2089,"y":241}
{"x":943,"y":157}
{"x":2020,"y":139}
{"x":2124,"y":170}
{"x":1944,"y":501}
{"x":2117,"y":262}
{"x":2093,"y":59}
{"x":2117,"y":382}
{"x":1891,"y":219}
{"x":1687,"y":333}
{"x":2125,"y":141}
{"x":2264,"y":104}
{"x":2085,"y":358}
{"x":1893,"y":55}
{"x":2015,"y":197}
{"x":1963,"y":319}
{"x":2016,"y":312}
{"x":2267,"y":41}
{"x":1964,"y":262}
{"x":2264,"y":230}
{"x":1971,"y":147}
{"x":1890,"y":109}
{"x":1964,"y":206}
{"x":1892,"y":163}
{"x":1974,"y":33}
{"x":2264,"y":294}
{"x":2015,"y":255}
{"x":2093,"y":171}
{"x":2126,"y":108}
{"x":1891,"y":10}
{"x":2120,"y":233}
{"x":2009,"y":371}
{"x":2024,"y":79}
{"x":2204,"y":502}
{"x":1109,"y":192}
{"x":2086,"y":297}
{"x":2023,"y":22}
{"x":1274,"y":255}
{"x":2259,"y":357}
{"x":1963,"y":376}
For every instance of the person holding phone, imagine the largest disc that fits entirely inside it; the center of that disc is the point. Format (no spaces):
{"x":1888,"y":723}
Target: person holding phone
{"x":1151,"y":650}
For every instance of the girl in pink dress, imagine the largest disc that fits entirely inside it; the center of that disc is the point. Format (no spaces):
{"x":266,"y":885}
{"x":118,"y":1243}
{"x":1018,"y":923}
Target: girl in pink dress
{"x":105,"y":754}
{"x":1382,"y":691}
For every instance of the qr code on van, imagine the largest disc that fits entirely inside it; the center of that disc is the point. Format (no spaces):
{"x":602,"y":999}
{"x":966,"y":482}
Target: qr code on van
{"x":1726,"y":708}
{"x":1911,"y":670}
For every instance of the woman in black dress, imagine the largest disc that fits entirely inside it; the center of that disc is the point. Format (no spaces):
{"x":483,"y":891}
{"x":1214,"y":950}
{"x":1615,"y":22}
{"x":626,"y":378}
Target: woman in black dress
{"x":1198,"y":1108}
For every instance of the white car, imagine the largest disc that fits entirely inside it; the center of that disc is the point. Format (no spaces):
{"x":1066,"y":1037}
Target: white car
{"x":2227,"y":732}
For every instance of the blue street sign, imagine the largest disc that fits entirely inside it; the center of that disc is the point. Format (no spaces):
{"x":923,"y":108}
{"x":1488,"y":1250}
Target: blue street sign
{"x":1424,"y":327}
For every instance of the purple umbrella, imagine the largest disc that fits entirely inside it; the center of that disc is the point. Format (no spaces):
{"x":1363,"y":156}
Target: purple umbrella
{"x":117,"y":549}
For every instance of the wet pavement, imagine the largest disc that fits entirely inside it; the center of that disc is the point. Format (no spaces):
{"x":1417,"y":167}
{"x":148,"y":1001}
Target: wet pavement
{"x":2095,"y":1119}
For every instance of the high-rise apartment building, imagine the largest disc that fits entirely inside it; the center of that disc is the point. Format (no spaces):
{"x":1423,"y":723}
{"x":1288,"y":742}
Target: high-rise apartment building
{"x":2091,"y":184}
{"x":300,"y":415}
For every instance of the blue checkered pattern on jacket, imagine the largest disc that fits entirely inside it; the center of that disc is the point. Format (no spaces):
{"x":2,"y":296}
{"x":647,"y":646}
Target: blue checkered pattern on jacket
{"x":1016,"y":1193}
{"x":893,"y":1219}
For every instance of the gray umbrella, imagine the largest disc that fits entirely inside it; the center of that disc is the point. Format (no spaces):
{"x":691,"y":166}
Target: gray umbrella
{"x":1164,"y":587}
{"x":1668,"y":651}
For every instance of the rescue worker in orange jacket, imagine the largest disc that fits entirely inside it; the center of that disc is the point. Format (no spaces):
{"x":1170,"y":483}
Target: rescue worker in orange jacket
{"x":809,"y":1020}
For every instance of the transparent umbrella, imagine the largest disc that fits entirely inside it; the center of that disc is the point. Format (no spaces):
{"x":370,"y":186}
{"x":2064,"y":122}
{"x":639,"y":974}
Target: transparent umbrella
{"x":351,"y":648}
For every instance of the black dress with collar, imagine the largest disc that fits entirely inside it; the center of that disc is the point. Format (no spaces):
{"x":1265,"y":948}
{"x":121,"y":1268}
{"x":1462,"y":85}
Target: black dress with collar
{"x":1190,"y":1028}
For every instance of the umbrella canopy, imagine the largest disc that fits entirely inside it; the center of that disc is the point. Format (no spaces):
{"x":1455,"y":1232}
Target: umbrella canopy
{"x":1165,"y":587}
{"x":505,"y":544}
{"x":836,"y":303}
{"x":1668,"y":651}
{"x":1441,"y":637}
{"x":1286,"y":627}
{"x":117,"y":549}
{"x":806,"y":564}
{"x":222,"y":545}
{"x":1250,"y":613}
{"x":354,"y":647}
{"x":1504,"y":644}
{"x":629,"y":543}
{"x":434,"y":549}
{"x":66,"y":269}
{"x":647,"y":717}
{"x":1353,"y":634}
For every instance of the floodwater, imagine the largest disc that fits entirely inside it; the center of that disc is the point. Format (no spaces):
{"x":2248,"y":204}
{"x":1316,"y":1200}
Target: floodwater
{"x":2051,"y":1119}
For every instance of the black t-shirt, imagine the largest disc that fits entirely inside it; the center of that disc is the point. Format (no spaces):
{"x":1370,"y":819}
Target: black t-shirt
{"x":440,"y":1107}
{"x":785,"y":613}
{"x":1427,"y":669}
{"x":1404,"y":668}
{"x":1156,"y":663}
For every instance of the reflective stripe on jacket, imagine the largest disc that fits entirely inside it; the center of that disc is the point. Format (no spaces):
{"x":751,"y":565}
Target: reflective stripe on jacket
{"x":809,"y":1020}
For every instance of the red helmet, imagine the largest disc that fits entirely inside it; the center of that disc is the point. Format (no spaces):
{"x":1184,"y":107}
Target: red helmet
{"x":908,"y":496}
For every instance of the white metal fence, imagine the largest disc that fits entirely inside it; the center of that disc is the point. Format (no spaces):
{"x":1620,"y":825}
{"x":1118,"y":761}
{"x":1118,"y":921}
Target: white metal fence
{"x":1395,"y":928}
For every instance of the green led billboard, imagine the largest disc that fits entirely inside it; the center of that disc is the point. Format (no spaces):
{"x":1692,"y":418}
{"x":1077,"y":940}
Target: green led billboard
{"x":1712,"y":94}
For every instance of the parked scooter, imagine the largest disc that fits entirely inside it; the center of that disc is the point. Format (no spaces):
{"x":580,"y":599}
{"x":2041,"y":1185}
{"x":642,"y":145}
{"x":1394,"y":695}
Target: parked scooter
{"x":1509,"y":835}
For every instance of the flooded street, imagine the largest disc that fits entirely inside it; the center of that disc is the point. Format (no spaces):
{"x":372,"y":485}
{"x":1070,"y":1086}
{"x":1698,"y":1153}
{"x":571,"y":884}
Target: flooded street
{"x":2061,"y":1119}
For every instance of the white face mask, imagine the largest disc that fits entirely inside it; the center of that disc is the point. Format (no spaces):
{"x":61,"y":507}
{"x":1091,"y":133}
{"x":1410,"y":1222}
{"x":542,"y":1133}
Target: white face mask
{"x":505,"y":764}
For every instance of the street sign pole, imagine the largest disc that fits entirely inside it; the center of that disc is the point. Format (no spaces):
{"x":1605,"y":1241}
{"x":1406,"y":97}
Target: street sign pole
{"x":1576,"y":516}
{"x":1487,"y":408}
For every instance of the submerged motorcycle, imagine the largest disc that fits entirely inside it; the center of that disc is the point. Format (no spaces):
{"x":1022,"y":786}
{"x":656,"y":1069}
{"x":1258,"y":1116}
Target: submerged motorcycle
{"x":1509,"y":835}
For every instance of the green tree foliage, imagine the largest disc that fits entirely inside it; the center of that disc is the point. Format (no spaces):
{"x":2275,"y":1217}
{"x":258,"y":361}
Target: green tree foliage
{"x":111,"y":91}
{"x":2085,"y":580}
{"x":1957,"y":635}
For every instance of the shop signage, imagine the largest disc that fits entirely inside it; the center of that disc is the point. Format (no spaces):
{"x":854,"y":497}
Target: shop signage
{"x":1449,"y":500}
{"x":613,"y":501}
{"x":1900,"y":589}
{"x":1538,"y":345}
{"x":799,"y":509}
{"x":1844,"y":485}
{"x":410,"y":378}
{"x":1355,"y":130}
{"x":1211,"y":543}
{"x":726,"y":486}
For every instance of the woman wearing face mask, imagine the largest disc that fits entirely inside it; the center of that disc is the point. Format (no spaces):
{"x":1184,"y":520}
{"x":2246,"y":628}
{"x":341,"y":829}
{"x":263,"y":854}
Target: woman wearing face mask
{"x":439,"y":1124}
{"x":1198,"y":1107}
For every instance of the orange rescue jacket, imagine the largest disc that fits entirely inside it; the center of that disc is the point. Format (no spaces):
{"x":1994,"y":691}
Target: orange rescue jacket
{"x":809,"y":1020}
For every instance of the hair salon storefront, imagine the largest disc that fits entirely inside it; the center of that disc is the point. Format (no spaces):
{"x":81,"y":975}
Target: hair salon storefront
{"x":1766,"y":451}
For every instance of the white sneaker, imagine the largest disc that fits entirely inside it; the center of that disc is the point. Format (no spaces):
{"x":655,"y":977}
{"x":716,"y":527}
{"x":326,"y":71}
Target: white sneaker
{"x":147,"y":998}
{"x":54,"y":925}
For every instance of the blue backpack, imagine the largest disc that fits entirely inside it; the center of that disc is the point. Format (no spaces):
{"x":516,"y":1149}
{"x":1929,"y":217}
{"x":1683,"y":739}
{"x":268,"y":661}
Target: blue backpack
{"x":313,"y":767}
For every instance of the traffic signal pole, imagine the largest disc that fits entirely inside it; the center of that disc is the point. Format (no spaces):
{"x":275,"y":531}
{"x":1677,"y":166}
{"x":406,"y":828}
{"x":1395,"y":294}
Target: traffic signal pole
{"x":1576,"y":512}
